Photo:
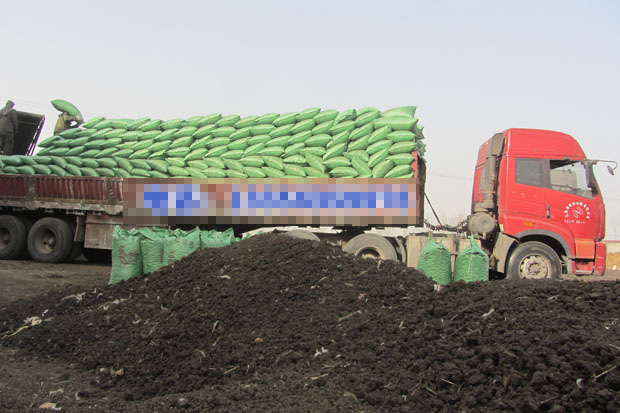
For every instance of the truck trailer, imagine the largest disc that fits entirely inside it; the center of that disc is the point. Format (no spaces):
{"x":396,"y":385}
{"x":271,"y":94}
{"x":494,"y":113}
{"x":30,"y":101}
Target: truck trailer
{"x":536,"y":209}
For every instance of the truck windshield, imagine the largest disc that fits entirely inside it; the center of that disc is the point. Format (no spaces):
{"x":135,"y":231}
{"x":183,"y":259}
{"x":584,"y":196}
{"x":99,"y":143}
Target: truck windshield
{"x":570,"y":177}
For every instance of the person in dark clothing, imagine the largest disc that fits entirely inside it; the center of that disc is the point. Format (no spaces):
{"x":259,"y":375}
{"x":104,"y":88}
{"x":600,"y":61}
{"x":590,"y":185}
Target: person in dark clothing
{"x":65,"y":121}
{"x":8,"y":128}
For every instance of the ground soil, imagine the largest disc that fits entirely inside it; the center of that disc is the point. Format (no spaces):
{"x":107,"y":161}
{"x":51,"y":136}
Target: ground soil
{"x":280,"y":325}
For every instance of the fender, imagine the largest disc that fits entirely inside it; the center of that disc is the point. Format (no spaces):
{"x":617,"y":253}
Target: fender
{"x":550,"y":234}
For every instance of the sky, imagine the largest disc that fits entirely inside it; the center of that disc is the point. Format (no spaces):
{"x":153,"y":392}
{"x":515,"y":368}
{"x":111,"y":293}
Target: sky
{"x":473,"y":68}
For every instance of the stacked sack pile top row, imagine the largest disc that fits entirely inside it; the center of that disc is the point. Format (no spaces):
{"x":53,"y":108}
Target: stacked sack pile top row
{"x":313,"y":143}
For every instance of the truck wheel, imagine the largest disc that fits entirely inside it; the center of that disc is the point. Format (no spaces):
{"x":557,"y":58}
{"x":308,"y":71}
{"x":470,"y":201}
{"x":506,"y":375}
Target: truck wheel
{"x":97,"y":255}
{"x":50,"y":240}
{"x":371,"y":246}
{"x":534,"y":260}
{"x":12,"y":237}
{"x":302,"y":234}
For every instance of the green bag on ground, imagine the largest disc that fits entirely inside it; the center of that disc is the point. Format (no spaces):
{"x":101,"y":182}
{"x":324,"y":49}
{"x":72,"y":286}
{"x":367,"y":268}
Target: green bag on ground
{"x":180,"y":244}
{"x":472,"y":264}
{"x":152,"y":248}
{"x":435,"y":262}
{"x":126,"y":254}
{"x":215,"y":239}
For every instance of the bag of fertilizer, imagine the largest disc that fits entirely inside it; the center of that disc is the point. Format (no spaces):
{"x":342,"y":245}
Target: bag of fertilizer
{"x":472,"y":264}
{"x":435,"y":262}
{"x":152,"y":248}
{"x":126,"y":254}
{"x":215,"y":239}
{"x":180,"y":244}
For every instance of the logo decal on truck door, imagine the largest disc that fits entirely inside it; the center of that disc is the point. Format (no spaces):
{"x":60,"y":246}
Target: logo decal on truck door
{"x":576,"y":212}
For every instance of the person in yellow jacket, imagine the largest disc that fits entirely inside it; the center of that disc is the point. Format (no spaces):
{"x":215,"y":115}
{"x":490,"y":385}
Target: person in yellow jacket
{"x":66,"y":121}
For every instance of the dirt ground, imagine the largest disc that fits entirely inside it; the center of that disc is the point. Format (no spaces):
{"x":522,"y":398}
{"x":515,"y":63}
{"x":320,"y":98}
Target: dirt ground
{"x":283,"y":325}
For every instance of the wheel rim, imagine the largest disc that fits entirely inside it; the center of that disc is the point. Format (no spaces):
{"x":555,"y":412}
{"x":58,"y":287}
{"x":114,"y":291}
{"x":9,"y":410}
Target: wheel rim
{"x":5,"y":238}
{"x":535,"y":266}
{"x":369,"y":253}
{"x":46,"y":241}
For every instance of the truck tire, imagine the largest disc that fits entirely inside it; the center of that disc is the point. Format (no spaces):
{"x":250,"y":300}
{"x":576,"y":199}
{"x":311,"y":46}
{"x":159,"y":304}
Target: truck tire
{"x":371,"y":245}
{"x":50,"y":240}
{"x":534,"y":260}
{"x":303,"y":234}
{"x":97,"y":255}
{"x":12,"y":237}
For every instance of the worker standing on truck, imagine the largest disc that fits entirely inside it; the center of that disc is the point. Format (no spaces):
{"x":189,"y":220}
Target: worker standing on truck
{"x":64,"y":122}
{"x":8,"y":128}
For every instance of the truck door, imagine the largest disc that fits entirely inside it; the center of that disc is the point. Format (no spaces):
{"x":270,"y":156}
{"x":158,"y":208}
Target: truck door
{"x":527,"y":197}
{"x":570,"y":202}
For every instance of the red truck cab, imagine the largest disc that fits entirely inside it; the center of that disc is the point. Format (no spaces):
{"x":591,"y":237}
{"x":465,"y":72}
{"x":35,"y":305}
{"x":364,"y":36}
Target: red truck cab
{"x":536,"y":205}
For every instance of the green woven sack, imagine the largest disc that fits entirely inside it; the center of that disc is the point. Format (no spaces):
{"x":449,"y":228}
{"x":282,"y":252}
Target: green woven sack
{"x":57,"y":170}
{"x":253,"y":149}
{"x":123,"y":153}
{"x":215,"y":173}
{"x":176,"y":171}
{"x":196,"y":154}
{"x":336,"y":162}
{"x":115,"y":133}
{"x":152,"y":253}
{"x":259,"y":139}
{"x":344,"y":172}
{"x":233,"y":164}
{"x":314,"y":173}
{"x":307,"y":114}
{"x":472,"y":264}
{"x":281,"y":141}
{"x":293,"y":149}
{"x":267,"y":118}
{"x":363,"y":155}
{"x":12,"y":170}
{"x":315,"y":162}
{"x":176,"y":123}
{"x":261,"y":129}
{"x":26,"y":170}
{"x":296,"y":159}
{"x":69,"y":133}
{"x":402,"y":147}
{"x":398,"y":170}
{"x":271,"y":151}
{"x":272,"y":172}
{"x":246,"y":122}
{"x":126,"y":254}
{"x":254,"y":161}
{"x":209,"y":120}
{"x":121,"y":172}
{"x":334,"y":151}
{"x":326,"y":116}
{"x":304,"y":125}
{"x":281,"y":131}
{"x":166,"y":135}
{"x":229,"y":120}
{"x":47,"y":142}
{"x":360,"y":144}
{"x":137,"y":123}
{"x":183,"y":142}
{"x":140,"y":173}
{"x":178,"y":152}
{"x":75,"y":142}
{"x":318,"y":140}
{"x":64,"y":106}
{"x":294,"y":170}
{"x":382,"y":168}
{"x":214,"y":163}
{"x":141,"y":154}
{"x":149,"y":136}
{"x":379,"y":146}
{"x":223,"y":132}
{"x":401,"y":159}
{"x":157,"y":174}
{"x":366,"y":117}
{"x":407,"y":111}
{"x":435,"y":262}
{"x":239,"y":144}
{"x":345,"y":116}
{"x":150,"y":125}
{"x":217,"y":151}
{"x":234,"y":154}
{"x":379,"y":135}
{"x":86,"y":171}
{"x":240,"y":134}
{"x":42,"y":169}
{"x":123,"y":163}
{"x":361,"y":131}
{"x":377,"y":157}
{"x":342,"y":137}
{"x":92,"y":122}
{"x":42,"y":160}
{"x":285,"y":119}
{"x":90,"y":163}
{"x":347,"y":125}
{"x":315,"y":150}
{"x":158,"y":165}
{"x":395,"y":122}
{"x":104,"y":153}
{"x":105,"y":163}
{"x":140,"y":164}
{"x":58,"y":161}
{"x":299,"y":137}
{"x":201,"y":143}
{"x":107,"y":172}
{"x":272,"y":162}
{"x":178,"y":162}
{"x":254,"y":172}
{"x":185,"y":131}
{"x":234,"y":173}
{"x":322,"y":127}
{"x":59,"y":151}
{"x":196,"y":172}
{"x":198,"y":164}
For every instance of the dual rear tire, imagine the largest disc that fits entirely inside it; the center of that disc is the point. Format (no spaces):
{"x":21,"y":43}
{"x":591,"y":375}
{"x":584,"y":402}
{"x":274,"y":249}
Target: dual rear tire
{"x":48,"y":240}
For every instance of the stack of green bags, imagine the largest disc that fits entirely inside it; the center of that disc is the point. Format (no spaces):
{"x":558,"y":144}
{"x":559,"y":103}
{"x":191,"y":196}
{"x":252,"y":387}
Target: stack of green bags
{"x":314,"y":143}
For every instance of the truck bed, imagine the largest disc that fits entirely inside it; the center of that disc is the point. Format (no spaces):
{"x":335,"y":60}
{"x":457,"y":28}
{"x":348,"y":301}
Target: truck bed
{"x":68,"y":192}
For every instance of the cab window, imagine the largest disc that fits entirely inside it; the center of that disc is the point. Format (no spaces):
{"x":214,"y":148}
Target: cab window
{"x":570,"y":177}
{"x":530,"y":171}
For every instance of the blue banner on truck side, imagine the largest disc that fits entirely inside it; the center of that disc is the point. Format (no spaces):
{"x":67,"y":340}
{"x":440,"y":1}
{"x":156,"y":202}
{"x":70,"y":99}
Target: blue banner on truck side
{"x":272,"y":201}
